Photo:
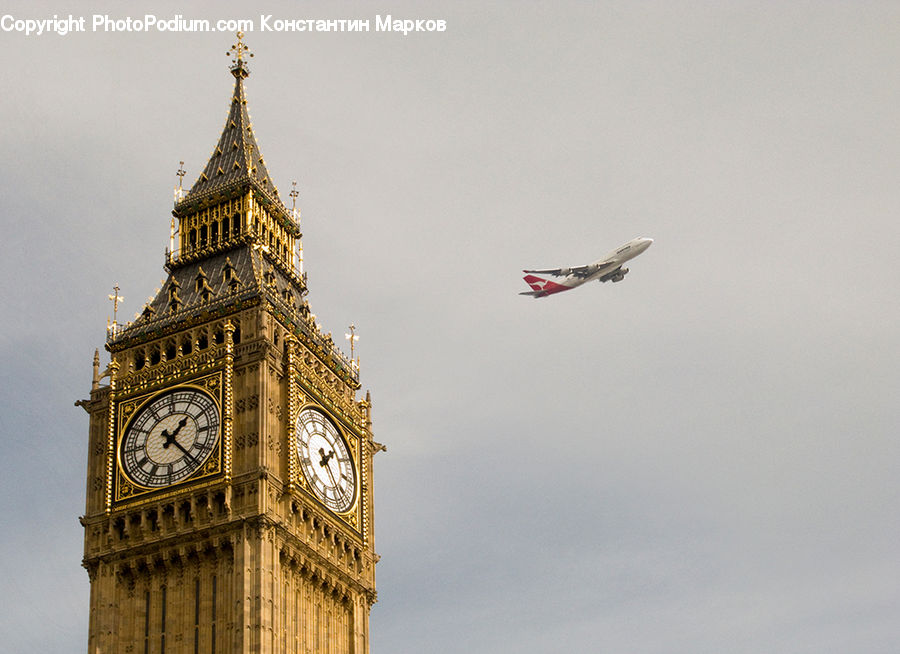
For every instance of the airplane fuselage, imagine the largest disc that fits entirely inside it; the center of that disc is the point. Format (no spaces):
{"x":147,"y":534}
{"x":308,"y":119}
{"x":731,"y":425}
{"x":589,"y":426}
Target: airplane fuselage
{"x":618,"y":257}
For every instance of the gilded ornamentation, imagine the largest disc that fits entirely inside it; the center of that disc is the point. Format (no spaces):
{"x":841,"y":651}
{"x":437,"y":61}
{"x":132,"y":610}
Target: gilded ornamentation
{"x":166,"y":373}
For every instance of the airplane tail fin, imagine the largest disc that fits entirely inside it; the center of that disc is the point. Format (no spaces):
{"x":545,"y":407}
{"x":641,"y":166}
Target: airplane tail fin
{"x":536,"y":283}
{"x":541,"y":287}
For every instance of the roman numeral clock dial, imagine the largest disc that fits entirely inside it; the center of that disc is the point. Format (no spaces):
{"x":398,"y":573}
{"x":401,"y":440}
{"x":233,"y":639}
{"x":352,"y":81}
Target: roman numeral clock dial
{"x":170,"y":438}
{"x":325,"y":461}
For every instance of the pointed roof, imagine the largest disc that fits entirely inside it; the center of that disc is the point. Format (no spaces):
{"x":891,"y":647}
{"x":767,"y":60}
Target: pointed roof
{"x":236,"y":161}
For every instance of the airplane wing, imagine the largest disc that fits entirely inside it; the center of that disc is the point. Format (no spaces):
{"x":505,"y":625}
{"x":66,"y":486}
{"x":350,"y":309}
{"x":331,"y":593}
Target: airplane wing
{"x":578,"y":271}
{"x":551,"y":271}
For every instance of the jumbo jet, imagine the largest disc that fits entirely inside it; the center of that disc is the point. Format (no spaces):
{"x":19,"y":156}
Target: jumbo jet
{"x":609,"y":268}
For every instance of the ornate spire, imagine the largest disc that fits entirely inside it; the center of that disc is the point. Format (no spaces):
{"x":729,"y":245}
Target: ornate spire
{"x":236,"y":161}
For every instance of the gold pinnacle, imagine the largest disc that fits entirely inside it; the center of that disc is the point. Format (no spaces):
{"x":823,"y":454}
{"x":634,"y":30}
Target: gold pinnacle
{"x":238,"y":50}
{"x":115,"y":298}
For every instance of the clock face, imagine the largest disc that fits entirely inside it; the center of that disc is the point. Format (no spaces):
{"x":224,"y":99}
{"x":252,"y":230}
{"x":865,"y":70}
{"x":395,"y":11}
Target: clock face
{"x":170,"y":438}
{"x":325,"y":460}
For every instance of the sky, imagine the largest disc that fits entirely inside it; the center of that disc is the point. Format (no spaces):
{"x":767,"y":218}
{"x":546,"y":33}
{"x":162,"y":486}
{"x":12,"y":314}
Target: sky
{"x":702,"y":458}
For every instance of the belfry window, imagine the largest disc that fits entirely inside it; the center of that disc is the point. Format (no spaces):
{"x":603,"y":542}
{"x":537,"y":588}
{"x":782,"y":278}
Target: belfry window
{"x":203,"y":235}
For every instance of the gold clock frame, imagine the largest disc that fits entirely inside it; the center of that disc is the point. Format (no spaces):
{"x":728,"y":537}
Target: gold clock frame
{"x":352,"y":450}
{"x":124,"y":491}
{"x":353,"y":439}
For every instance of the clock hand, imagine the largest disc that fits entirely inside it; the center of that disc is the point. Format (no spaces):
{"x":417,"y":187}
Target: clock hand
{"x":325,"y":457}
{"x":324,"y":463}
{"x":331,"y":475}
{"x":186,"y":453}
{"x":170,"y":438}
{"x":181,"y":423}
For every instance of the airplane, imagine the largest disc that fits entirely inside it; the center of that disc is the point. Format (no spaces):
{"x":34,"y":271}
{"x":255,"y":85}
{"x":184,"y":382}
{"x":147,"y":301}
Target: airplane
{"x":609,"y":268}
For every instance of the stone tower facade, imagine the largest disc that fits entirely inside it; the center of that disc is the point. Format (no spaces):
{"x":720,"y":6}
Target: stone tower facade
{"x":229,"y":478}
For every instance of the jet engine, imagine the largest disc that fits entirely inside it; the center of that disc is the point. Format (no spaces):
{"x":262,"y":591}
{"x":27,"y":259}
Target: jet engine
{"x":565,"y":272}
{"x":620,"y":275}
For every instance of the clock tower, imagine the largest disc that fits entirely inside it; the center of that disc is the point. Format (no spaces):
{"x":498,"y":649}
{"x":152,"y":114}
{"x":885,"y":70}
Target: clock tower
{"x":229,"y":478}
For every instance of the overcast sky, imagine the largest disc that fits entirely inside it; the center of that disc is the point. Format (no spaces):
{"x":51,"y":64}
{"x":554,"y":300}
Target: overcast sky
{"x":702,"y":459}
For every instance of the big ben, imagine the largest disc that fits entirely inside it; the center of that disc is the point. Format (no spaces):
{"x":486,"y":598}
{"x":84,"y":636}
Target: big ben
{"x":229,"y":479}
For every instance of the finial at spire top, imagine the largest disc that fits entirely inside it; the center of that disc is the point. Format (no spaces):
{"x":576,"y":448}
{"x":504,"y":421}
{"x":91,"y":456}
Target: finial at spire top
{"x":238,"y":51}
{"x":179,"y":190}
{"x":294,"y":194}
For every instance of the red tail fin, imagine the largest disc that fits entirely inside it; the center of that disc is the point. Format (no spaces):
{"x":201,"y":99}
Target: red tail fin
{"x":536,"y":283}
{"x":544,"y":286}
